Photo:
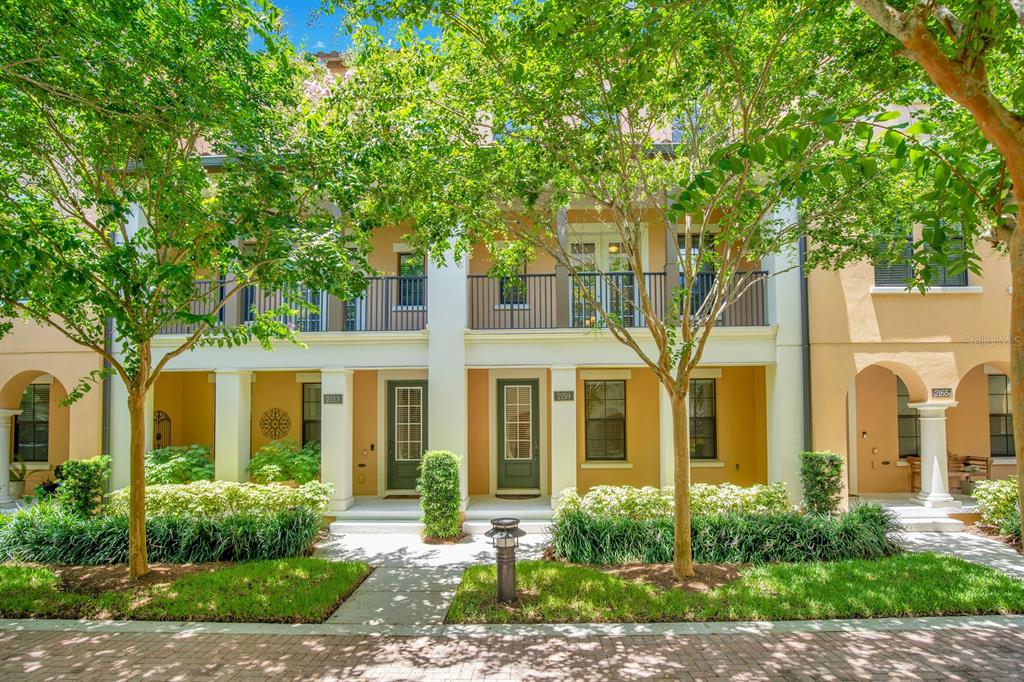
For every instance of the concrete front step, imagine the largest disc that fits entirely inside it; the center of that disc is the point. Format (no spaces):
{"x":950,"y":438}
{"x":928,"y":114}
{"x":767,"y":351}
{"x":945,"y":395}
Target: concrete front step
{"x":933,"y":524}
{"x":393,"y":526}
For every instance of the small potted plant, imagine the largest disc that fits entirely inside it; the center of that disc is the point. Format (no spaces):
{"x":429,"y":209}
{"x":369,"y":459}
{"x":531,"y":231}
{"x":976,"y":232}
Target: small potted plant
{"x":967,"y":483}
{"x":18,"y":474}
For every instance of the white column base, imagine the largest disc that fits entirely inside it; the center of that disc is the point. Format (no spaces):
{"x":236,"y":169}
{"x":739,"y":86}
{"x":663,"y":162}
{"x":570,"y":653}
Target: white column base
{"x":6,"y":421}
{"x":936,"y":501}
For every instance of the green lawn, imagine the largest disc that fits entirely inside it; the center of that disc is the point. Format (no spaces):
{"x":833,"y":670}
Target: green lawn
{"x":904,"y":585}
{"x":304,"y":590}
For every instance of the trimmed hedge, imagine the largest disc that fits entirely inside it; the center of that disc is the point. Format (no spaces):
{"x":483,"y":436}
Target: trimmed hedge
{"x":639,"y":504}
{"x":863,"y":533}
{"x":438,"y":486}
{"x":82,"y":482}
{"x":219,"y":498}
{"x":50,"y":534}
{"x":822,"y":476}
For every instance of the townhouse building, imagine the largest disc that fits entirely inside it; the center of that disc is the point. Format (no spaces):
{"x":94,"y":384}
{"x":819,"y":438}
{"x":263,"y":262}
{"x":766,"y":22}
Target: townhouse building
{"x":518,"y":377}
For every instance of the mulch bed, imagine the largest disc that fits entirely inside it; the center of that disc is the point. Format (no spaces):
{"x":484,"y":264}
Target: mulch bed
{"x":992,"y":532}
{"x":95,"y":580}
{"x":706,"y":576}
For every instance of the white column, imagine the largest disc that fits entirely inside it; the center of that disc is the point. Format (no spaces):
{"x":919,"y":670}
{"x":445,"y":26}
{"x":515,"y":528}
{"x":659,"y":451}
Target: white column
{"x":336,"y":435}
{"x":784,"y":417}
{"x":447,"y":401}
{"x":563,"y":432}
{"x":120,"y":435}
{"x":6,"y":420}
{"x":233,"y":419}
{"x":784,"y":382}
{"x":666,"y":437}
{"x":934,"y":468}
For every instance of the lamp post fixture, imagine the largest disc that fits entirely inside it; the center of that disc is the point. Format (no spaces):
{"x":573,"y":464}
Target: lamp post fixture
{"x":505,"y":534}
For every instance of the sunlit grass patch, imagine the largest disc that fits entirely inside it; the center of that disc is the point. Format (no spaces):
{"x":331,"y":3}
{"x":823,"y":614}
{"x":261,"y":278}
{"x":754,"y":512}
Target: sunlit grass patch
{"x":900,"y":586}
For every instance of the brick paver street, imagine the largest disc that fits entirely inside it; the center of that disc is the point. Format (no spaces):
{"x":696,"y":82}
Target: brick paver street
{"x":946,"y":654}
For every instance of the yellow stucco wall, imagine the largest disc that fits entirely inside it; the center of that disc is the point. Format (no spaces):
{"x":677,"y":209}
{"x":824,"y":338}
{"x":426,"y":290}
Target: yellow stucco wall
{"x":188,"y":398}
{"x":365,"y":454}
{"x":930,"y":341}
{"x":742,"y":444}
{"x":276,"y":390}
{"x":29,"y":353}
{"x":479,"y":432}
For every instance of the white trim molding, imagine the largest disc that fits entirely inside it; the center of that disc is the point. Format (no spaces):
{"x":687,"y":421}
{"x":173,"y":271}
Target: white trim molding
{"x":707,"y":464}
{"x":606,"y":465}
{"x":971,"y":289}
{"x":607,"y":374}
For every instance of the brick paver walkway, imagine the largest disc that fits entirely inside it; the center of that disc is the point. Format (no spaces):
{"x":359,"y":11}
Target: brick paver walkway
{"x":946,"y":654}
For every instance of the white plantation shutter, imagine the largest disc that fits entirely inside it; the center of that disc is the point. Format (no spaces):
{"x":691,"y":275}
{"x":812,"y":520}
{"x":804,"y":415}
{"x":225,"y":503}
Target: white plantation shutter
{"x":518,"y":423}
{"x":408,"y":422}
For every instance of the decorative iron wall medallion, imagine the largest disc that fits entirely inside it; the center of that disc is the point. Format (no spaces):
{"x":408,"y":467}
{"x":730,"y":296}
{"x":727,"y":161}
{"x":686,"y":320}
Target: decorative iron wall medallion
{"x":275,"y":423}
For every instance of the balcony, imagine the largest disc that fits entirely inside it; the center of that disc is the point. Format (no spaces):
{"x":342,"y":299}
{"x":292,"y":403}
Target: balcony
{"x":532,"y":301}
{"x":388,"y":304}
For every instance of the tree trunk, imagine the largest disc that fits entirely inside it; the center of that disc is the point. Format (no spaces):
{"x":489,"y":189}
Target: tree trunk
{"x":137,"y":563}
{"x":1017,"y":346}
{"x":682,"y":560}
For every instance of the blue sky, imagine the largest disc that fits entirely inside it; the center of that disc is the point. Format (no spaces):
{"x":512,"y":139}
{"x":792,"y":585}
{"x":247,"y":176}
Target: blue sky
{"x":306,"y":28}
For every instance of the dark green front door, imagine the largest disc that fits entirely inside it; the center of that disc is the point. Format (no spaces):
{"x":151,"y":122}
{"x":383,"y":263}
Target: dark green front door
{"x":407,"y":432}
{"x":518,"y":434}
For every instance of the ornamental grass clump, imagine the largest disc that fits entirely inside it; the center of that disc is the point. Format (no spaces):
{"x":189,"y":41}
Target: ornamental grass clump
{"x":179,"y":464}
{"x":822,"y":476}
{"x":438,"y":486}
{"x":867,"y":531}
{"x":52,"y":534}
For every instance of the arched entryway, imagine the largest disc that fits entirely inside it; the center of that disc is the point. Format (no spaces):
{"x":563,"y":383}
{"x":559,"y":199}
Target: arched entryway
{"x":884,"y":429}
{"x":35,"y":427}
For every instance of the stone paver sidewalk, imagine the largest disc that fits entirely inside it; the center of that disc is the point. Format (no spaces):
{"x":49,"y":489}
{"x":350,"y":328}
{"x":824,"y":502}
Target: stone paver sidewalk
{"x":944,"y":654}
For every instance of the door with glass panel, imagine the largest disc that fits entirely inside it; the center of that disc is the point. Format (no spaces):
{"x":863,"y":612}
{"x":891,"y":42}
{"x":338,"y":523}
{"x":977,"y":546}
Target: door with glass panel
{"x":518,"y":434}
{"x":613,"y":288}
{"x":407,"y":432}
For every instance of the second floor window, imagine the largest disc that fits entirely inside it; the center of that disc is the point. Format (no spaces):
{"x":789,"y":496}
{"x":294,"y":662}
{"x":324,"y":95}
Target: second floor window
{"x":411,"y":282}
{"x":513,"y":289}
{"x":900,"y":272}
{"x":908,"y":427}
{"x":1000,"y":418}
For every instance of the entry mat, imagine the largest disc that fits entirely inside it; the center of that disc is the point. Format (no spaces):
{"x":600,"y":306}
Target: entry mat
{"x":401,"y":497}
{"x":517,"y":497}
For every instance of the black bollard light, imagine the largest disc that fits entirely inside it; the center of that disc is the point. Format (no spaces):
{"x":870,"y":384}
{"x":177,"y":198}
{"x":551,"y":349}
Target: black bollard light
{"x":505,"y":534}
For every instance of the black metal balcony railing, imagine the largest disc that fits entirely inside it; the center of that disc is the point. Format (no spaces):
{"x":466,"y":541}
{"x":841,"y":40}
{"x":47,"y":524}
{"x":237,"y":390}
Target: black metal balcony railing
{"x":257,"y":301}
{"x":617,"y":294}
{"x":392,"y":303}
{"x":531,"y":301}
{"x":209,"y":294}
{"x":520,"y":302}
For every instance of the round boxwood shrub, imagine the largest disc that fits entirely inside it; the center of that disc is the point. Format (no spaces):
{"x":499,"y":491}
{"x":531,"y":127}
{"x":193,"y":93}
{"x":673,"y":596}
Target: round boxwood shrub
{"x":82,"y":483}
{"x":438,"y":486}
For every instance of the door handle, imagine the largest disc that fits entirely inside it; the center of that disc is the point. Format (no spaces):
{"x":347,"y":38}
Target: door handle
{"x":391,"y":447}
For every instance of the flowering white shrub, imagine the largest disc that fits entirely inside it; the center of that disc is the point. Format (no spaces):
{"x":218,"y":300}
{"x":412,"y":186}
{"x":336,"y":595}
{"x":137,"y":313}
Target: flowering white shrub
{"x":997,"y":500}
{"x":219,"y":498}
{"x":640,"y":504}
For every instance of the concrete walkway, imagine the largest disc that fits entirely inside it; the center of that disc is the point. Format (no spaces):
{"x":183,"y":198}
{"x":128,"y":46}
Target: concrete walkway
{"x":970,"y":547}
{"x":412,"y":583}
